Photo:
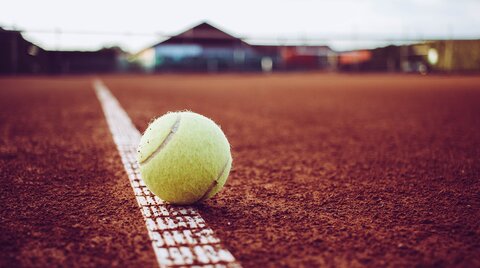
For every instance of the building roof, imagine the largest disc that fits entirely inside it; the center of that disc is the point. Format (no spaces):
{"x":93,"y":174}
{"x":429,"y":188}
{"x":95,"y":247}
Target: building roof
{"x":204,"y":34}
{"x":205,"y":30}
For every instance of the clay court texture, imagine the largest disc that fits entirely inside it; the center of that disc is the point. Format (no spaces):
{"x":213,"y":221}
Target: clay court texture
{"x":328,"y":169}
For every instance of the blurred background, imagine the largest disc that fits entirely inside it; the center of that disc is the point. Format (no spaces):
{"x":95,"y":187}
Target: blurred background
{"x":412,"y":36}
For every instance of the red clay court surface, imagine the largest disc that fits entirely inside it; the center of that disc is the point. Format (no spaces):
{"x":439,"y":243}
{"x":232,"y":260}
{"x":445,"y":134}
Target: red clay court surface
{"x":329,"y":170}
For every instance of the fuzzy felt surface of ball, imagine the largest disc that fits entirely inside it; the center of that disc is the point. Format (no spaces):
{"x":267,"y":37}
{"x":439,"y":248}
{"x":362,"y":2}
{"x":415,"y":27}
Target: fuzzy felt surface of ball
{"x":184,"y":157}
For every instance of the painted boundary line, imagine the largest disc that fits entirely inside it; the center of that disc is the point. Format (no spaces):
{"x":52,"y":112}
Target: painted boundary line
{"x":180,"y":237}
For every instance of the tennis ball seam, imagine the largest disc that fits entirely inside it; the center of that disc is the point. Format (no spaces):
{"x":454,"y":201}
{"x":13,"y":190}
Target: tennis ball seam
{"x":173,"y":130}
{"x":214,"y":182}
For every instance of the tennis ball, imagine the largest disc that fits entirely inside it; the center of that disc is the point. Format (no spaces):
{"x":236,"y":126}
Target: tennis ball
{"x":184,"y":157}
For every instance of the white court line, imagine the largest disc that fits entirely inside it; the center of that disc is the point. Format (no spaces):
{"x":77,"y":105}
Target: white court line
{"x":180,"y":237}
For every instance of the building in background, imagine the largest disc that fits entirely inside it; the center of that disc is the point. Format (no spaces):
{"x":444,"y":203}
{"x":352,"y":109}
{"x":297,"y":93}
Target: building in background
{"x":201,"y":48}
{"x":429,"y":56}
{"x":106,"y":60}
{"x":453,"y":55}
{"x":205,"y":48}
{"x":19,"y":56}
{"x":384,"y":59}
{"x":298,"y":58}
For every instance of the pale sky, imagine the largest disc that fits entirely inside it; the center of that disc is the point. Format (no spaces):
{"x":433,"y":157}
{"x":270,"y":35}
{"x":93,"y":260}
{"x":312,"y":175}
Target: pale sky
{"x":262,"y":21}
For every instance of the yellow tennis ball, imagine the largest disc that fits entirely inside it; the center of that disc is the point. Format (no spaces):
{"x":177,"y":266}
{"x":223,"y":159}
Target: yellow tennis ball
{"x":184,"y":157}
